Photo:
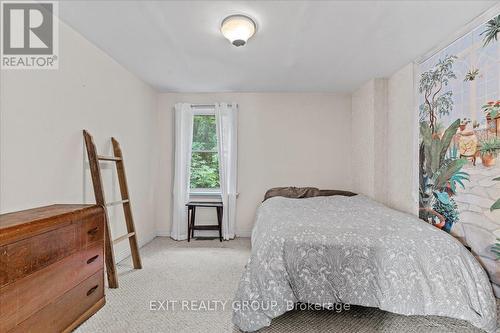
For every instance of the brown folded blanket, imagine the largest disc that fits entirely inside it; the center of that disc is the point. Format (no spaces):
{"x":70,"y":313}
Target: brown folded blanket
{"x":303,"y":192}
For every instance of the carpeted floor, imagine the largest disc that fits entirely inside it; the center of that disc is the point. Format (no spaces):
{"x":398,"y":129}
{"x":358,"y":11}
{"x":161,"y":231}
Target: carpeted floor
{"x":202,"y":274}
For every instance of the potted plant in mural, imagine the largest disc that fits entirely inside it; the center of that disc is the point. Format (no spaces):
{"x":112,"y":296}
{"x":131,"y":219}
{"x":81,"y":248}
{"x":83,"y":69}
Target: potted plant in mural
{"x":471,"y":75}
{"x":491,"y":31}
{"x":449,"y":211}
{"x":467,"y":141}
{"x":492,"y":112}
{"x":440,"y":173}
{"x":489,"y":151}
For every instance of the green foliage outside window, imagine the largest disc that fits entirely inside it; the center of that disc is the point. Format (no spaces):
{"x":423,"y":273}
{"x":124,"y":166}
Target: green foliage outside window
{"x":204,"y":158}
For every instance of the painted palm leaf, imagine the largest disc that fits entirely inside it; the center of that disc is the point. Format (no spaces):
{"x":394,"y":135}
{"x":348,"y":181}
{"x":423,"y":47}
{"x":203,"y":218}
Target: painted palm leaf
{"x":450,"y":172}
{"x":496,"y":205}
{"x":435,"y":148}
{"x":447,"y":137}
{"x":443,"y":197}
{"x":496,"y":248}
{"x":491,"y":32}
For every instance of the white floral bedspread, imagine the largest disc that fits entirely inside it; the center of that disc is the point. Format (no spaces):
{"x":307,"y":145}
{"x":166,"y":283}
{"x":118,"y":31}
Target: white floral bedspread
{"x":353,"y":250}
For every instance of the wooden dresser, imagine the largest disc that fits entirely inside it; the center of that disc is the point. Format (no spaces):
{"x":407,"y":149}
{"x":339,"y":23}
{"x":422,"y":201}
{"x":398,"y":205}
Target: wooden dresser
{"x":51,"y":268}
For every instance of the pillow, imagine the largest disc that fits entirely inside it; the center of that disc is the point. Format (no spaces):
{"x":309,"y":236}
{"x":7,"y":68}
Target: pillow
{"x":303,"y":192}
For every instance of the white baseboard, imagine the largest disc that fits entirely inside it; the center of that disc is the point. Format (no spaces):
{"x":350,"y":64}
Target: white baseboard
{"x":163,"y":233}
{"x":244,"y":233}
{"x":125,"y":253}
{"x":208,"y":233}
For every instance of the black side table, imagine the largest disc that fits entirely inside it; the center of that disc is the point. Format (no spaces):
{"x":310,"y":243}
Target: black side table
{"x":192,"y":213}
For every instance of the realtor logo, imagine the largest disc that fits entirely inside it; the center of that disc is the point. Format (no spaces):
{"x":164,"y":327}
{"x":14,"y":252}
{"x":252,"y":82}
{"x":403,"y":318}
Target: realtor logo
{"x":29,"y":35}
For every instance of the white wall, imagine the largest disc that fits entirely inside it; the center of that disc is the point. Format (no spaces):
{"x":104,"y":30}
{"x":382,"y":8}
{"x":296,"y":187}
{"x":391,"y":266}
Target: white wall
{"x":402,"y":142}
{"x":369,"y":105}
{"x":42,"y":115}
{"x":384,"y":137}
{"x":300,"y":139}
{"x":363,"y":132}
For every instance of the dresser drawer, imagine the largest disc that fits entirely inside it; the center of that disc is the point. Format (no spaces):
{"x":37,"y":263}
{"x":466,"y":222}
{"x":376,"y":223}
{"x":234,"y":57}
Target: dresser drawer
{"x":61,"y":314}
{"x":91,"y":230}
{"x":24,"y":257}
{"x":23,"y":298}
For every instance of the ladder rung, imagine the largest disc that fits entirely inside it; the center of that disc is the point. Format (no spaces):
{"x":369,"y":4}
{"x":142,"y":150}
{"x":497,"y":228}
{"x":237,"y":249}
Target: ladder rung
{"x":108,"y":158}
{"x":119,"y":202}
{"x":119,"y":239}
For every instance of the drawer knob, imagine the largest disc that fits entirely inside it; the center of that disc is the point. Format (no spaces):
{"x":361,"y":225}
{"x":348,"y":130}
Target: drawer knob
{"x":91,"y":290}
{"x":91,"y":260}
{"x":93,"y":231}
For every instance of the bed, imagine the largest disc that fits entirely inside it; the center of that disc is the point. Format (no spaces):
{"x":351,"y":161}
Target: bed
{"x":342,"y":249}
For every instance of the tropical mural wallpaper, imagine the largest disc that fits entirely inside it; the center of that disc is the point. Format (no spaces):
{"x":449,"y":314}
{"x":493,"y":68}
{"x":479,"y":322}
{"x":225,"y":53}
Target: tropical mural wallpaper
{"x":459,"y":163}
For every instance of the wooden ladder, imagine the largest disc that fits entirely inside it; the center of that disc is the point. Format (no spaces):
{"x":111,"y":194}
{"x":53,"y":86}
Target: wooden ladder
{"x":95,"y":171}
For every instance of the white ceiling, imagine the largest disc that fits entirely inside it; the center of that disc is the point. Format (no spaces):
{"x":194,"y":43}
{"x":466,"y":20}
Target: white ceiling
{"x":299,"y":45}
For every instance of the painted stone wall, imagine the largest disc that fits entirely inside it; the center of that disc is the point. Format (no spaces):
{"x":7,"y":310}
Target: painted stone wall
{"x":459,"y":110}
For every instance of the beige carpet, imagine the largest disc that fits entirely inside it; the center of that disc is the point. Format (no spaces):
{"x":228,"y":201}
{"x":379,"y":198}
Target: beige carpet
{"x":204,"y":271}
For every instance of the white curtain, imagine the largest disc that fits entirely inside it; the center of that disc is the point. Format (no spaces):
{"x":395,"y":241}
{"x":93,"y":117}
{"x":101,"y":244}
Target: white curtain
{"x":226,"y":116}
{"x":183,"y":141}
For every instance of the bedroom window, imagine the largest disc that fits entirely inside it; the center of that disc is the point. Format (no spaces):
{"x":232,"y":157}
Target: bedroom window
{"x":204,"y":155}
{"x":205,"y":162}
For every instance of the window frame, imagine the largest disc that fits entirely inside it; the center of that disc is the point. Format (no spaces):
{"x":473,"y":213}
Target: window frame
{"x":204,"y":111}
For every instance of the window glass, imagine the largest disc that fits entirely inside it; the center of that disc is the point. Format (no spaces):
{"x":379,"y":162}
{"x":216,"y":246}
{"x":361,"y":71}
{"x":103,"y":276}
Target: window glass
{"x":204,"y":156}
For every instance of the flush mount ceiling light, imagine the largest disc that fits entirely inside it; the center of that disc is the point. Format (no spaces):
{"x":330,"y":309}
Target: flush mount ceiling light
{"x":238,"y":29}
